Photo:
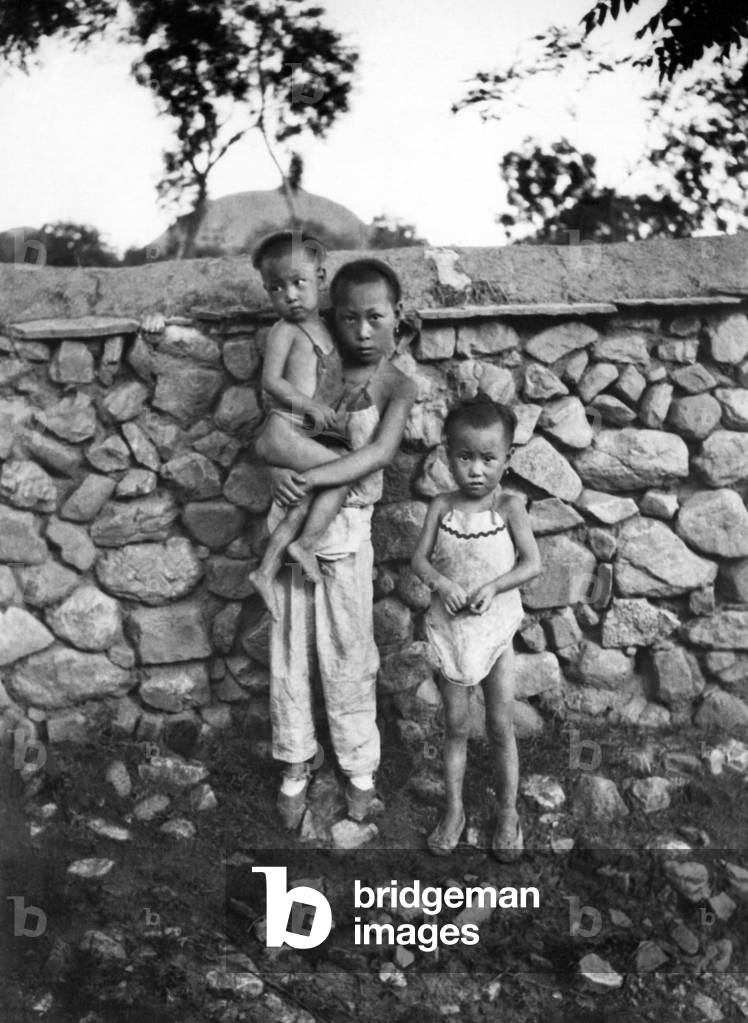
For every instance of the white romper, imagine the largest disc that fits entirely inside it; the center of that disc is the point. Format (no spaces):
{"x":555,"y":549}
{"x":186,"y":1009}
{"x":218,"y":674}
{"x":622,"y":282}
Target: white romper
{"x":472,"y":548}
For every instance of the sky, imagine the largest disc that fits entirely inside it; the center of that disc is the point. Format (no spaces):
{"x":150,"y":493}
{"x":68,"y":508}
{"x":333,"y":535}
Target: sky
{"x":84,"y":142}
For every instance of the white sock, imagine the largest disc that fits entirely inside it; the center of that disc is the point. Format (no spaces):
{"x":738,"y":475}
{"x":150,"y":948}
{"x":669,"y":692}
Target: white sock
{"x":362,"y":781}
{"x":292,"y":786}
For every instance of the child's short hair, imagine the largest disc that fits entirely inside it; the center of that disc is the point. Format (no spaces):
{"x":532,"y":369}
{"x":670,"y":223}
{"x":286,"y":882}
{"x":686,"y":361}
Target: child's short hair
{"x":280,"y":243}
{"x":366,"y":271}
{"x":480,"y":413}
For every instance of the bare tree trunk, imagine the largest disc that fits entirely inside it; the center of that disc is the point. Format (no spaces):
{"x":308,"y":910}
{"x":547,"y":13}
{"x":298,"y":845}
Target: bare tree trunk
{"x":191,"y":223}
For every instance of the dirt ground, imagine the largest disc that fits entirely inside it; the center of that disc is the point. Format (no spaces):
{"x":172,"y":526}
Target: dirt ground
{"x":176,"y":909}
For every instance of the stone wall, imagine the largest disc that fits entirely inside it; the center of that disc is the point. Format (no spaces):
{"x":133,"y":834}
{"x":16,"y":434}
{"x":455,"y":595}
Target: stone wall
{"x":132,"y":510}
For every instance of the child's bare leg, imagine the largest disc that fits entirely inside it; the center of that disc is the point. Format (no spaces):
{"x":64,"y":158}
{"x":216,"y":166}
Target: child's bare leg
{"x":325,"y":507}
{"x":272,"y":559}
{"x":281,"y":444}
{"x":457,"y":719}
{"x":498,"y":689}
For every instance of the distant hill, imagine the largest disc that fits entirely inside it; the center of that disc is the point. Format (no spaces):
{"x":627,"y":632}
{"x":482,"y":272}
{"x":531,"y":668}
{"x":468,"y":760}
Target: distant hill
{"x":234,"y":224}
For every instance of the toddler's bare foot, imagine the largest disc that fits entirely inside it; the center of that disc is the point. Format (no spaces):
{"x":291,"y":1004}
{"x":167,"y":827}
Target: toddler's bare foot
{"x":307,"y":559}
{"x":263,"y":585}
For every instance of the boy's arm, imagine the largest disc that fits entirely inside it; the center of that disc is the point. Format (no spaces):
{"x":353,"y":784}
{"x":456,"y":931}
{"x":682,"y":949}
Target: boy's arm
{"x":376,"y":454}
{"x":279,"y":343}
{"x":453,"y":595}
{"x":527,"y":565}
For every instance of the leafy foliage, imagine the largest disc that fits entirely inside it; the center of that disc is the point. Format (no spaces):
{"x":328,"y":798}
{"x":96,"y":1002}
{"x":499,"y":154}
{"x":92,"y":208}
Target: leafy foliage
{"x":695,"y":161}
{"x":65,"y":244}
{"x":25,"y":23}
{"x":682,"y":30}
{"x":554,"y":192}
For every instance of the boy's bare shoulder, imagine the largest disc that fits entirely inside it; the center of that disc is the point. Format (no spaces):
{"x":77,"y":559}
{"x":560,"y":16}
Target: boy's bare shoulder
{"x":398,"y":383}
{"x":284,"y":331}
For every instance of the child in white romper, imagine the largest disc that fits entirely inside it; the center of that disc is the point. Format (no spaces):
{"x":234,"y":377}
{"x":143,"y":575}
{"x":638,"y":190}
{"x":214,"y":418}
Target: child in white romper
{"x":476,"y":548}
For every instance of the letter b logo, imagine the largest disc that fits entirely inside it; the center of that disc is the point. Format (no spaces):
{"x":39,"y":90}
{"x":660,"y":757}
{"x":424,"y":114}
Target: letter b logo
{"x":294,"y":905}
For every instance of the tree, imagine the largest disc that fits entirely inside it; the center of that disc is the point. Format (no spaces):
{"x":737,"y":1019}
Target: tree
{"x":553,"y":195}
{"x":694,"y":165}
{"x":64,"y":243}
{"x":387,"y":232}
{"x":222,"y":68}
{"x":219,"y":68}
{"x":682,"y":30}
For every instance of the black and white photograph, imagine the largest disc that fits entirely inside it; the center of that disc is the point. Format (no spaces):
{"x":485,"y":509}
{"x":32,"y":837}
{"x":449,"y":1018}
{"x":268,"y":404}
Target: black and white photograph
{"x":374,"y":511}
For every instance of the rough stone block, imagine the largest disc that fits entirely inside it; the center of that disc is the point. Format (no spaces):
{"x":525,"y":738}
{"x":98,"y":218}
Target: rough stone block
{"x":566,"y":421}
{"x":715,"y":522}
{"x":87,"y":500}
{"x":72,"y":363}
{"x":436,"y":342}
{"x":124,"y":522}
{"x":556,"y":342}
{"x":176,"y":632}
{"x":21,"y":634}
{"x":539,"y":463}
{"x":541,"y":383}
{"x":723,"y":459}
{"x":694,"y":416}
{"x":636,"y":622}
{"x":396,"y":528}
{"x":653,"y":562}
{"x":553,"y":516}
{"x":487,"y":338}
{"x":728,"y":339}
{"x":567,"y":574}
{"x":88,"y":619}
{"x":175,"y":688}
{"x":60,"y":676}
{"x":194,"y":475}
{"x":631,"y":459}
{"x":73,"y":543}
{"x":151,"y":573}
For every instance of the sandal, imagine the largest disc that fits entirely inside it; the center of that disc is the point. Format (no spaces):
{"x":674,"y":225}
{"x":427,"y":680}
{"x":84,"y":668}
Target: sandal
{"x":441,"y":842}
{"x":507,"y":845}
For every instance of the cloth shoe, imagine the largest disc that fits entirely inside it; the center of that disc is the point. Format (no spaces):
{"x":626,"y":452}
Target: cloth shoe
{"x":291,"y":808}
{"x":359,"y":801}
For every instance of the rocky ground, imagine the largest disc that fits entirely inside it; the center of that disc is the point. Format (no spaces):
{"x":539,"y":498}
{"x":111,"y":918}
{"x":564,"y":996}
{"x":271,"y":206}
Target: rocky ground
{"x":139,"y":860}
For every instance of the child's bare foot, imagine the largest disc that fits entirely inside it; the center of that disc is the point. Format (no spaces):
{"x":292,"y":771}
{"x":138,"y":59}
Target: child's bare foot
{"x":445,"y":836}
{"x":307,"y":559}
{"x":263,"y":585}
{"x":507,"y":843}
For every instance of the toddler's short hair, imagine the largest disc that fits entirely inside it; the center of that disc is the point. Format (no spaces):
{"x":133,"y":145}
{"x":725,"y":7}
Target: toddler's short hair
{"x":480,"y":413}
{"x":280,"y":243}
{"x":366,"y":271}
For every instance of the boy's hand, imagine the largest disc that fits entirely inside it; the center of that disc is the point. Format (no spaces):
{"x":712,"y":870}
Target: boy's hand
{"x":480,"y":601}
{"x":153,"y":323}
{"x":287,"y":486}
{"x":323,"y":415}
{"x":453,"y":595}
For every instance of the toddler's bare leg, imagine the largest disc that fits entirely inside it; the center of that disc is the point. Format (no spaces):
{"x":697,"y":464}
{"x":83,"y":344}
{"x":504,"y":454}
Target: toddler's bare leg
{"x":272,"y":558}
{"x":325,"y":507}
{"x":281,"y":444}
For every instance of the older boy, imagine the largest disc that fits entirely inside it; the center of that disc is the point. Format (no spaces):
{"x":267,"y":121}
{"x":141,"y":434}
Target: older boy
{"x":333,"y":623}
